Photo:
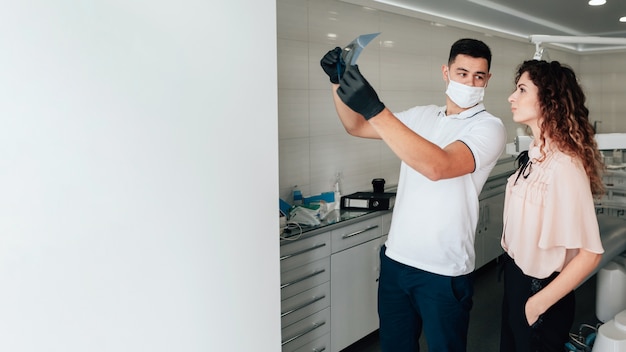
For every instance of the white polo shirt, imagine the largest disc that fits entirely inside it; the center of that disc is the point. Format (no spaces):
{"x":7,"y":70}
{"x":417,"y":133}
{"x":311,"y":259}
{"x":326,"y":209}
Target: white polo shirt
{"x":434,"y":222}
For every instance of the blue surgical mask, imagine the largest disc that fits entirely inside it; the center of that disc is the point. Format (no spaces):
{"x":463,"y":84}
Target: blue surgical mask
{"x":464,"y":96}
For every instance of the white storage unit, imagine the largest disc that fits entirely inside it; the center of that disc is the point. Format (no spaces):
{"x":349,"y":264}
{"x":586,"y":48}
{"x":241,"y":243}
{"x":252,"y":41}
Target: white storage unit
{"x":354,"y":282}
{"x":305,"y":293}
{"x":329,"y":284}
{"x":489,"y":227}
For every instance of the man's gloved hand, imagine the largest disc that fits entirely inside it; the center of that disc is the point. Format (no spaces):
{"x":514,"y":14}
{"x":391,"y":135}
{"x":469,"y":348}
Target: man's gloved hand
{"x":358,"y":94}
{"x":333,"y":65}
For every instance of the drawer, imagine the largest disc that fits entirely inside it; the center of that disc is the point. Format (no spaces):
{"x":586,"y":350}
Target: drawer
{"x":305,"y":331}
{"x":304,"y":304}
{"x":300,"y":252}
{"x":317,"y":345}
{"x":304,"y":278}
{"x":360,"y":232}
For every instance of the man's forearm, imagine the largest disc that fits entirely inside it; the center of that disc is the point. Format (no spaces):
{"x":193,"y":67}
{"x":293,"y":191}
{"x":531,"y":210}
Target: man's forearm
{"x":352,"y":121}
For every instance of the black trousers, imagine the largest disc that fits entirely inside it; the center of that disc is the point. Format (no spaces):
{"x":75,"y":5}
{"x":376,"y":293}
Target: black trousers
{"x":550,"y":332}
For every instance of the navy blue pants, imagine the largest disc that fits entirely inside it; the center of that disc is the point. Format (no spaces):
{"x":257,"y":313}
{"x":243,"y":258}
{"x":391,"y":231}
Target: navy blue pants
{"x":411,"y":300}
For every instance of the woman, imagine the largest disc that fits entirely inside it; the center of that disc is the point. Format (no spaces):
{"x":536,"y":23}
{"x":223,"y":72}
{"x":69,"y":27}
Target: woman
{"x":550,"y":236}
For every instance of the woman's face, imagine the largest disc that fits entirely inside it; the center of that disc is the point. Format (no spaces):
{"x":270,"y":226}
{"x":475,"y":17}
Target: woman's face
{"x":525,"y":102}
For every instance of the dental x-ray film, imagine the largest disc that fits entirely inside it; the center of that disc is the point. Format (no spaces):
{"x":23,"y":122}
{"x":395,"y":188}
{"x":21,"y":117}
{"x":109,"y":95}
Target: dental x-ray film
{"x":351,"y":52}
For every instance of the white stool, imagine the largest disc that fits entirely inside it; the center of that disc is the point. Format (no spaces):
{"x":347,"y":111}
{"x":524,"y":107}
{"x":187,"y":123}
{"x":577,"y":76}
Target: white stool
{"x":611,"y":289}
{"x":611,"y":335}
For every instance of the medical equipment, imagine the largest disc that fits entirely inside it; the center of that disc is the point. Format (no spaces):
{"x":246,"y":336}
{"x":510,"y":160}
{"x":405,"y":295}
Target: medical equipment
{"x":611,"y":335}
{"x":611,"y":289}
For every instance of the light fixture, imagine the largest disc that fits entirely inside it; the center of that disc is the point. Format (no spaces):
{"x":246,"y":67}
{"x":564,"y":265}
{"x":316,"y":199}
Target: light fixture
{"x":539,"y":39}
{"x":622,"y":19}
{"x":538,"y":52}
{"x":541,"y":53}
{"x":573,"y":39}
{"x":597,"y":2}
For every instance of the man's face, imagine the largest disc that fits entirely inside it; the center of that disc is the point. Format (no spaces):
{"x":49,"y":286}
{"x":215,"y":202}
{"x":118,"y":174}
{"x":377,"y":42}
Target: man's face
{"x":468,"y":70}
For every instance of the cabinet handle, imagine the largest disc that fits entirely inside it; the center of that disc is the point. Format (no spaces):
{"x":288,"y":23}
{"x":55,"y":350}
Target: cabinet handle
{"x":315,"y":299}
{"x":315,"y":326}
{"x":348,"y":235}
{"x":287,"y":256}
{"x":321,"y":349}
{"x":487,"y":220}
{"x":302,"y":278}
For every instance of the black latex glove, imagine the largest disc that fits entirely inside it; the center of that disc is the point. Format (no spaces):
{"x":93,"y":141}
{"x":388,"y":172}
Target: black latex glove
{"x":333,"y":65}
{"x":358,"y":94}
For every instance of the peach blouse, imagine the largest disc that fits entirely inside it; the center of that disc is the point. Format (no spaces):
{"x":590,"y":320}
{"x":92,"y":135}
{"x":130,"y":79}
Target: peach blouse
{"x":549,"y":214}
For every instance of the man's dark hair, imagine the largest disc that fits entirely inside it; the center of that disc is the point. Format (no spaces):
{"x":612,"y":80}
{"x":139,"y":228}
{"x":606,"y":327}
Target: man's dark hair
{"x":471,"y":47}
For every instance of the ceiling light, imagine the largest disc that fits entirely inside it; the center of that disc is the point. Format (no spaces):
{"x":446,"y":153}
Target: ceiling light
{"x":597,"y":2}
{"x":622,"y":19}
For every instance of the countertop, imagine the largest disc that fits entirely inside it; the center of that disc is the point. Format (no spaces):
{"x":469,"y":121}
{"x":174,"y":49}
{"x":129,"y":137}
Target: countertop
{"x":334,"y":219}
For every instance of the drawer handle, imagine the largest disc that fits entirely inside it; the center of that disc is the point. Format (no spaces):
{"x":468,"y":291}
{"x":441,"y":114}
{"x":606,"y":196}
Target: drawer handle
{"x":319,"y":350}
{"x":315,"y":299}
{"x":359,"y":232}
{"x":315,"y":326}
{"x":302,"y":278}
{"x":302,"y":251}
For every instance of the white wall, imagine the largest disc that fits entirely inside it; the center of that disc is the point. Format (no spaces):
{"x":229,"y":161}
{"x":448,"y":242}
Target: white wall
{"x":313,"y":144}
{"x":133,"y":134}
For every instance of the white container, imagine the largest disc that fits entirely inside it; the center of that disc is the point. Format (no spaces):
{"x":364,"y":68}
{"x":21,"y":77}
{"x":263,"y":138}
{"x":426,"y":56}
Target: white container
{"x":611,"y":335}
{"x":611,"y":289}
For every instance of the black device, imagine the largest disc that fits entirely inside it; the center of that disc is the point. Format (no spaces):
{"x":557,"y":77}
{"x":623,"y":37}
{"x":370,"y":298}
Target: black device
{"x":368,"y":201}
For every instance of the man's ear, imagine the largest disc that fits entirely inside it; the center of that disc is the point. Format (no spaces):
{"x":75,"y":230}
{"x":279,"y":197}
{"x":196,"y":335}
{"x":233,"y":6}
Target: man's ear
{"x":488,"y":78}
{"x":444,"y":73}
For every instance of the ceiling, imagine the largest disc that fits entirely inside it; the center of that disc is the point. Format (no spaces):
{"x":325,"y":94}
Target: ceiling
{"x":522,"y":18}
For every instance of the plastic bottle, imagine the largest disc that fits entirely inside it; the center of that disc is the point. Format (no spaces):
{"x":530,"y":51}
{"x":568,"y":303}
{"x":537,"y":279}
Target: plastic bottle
{"x":337,"y":190}
{"x":297,"y":197}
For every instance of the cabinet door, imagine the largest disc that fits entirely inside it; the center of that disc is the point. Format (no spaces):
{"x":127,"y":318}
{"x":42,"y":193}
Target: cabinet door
{"x":354,"y":292}
{"x":493,"y":207}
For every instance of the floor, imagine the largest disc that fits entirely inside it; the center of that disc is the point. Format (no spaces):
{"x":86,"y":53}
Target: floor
{"x":484,"y":329}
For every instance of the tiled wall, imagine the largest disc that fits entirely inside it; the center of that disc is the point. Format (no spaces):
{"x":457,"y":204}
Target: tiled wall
{"x":604,"y":80}
{"x":313,"y":145}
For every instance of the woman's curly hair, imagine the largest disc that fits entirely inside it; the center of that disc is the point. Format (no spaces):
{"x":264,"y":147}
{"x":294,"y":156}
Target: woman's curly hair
{"x":565,"y":118}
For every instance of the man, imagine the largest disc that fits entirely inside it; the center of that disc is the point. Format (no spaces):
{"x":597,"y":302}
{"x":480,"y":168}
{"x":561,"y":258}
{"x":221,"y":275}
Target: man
{"x":447,"y":154}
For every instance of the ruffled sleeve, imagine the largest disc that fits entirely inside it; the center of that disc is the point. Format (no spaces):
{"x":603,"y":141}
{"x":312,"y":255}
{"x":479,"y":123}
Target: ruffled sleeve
{"x":570,"y":219}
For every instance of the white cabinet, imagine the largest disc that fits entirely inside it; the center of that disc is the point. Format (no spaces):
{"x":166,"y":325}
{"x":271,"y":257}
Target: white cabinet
{"x":329,"y":285}
{"x":305,"y":294}
{"x":489,"y":228}
{"x":493,"y":208}
{"x":354,"y":282}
